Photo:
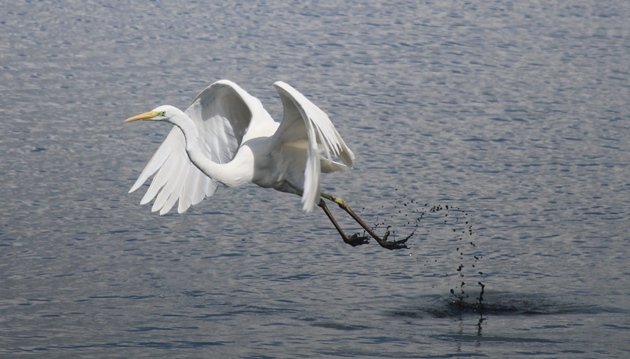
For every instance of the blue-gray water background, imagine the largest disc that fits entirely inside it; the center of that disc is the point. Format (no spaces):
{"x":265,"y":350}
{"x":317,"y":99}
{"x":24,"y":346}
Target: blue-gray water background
{"x":514,"y":114}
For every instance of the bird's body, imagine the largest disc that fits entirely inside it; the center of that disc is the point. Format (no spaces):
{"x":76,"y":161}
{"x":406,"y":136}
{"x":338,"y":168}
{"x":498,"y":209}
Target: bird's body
{"x":226,"y":136}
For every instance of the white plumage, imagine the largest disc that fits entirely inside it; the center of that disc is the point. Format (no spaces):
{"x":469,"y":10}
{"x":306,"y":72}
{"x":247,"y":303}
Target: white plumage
{"x":227,"y":136}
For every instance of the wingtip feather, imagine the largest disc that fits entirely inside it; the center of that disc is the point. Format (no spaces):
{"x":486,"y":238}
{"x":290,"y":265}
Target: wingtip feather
{"x":137,"y":184}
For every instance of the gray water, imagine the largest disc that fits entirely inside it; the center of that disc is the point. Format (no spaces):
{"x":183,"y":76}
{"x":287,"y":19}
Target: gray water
{"x":513,"y":114}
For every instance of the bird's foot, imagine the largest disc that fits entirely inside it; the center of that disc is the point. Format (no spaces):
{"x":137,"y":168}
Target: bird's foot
{"x":399,"y":244}
{"x":356,"y":240}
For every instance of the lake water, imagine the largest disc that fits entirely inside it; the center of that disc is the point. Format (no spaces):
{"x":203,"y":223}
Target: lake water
{"x":515,"y":115}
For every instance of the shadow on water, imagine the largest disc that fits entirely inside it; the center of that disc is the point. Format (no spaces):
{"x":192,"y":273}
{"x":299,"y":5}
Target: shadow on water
{"x":496,"y":303}
{"x":493,"y":304}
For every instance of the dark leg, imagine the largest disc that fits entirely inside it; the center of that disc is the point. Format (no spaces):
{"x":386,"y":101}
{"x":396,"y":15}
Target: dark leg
{"x":382,"y":241}
{"x":353,"y":240}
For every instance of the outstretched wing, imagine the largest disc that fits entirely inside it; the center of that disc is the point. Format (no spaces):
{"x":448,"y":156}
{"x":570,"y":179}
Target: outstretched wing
{"x":222,"y":116}
{"x":306,"y":124}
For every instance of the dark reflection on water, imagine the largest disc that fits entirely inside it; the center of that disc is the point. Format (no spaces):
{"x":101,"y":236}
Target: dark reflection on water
{"x":499,"y":303}
{"x":479,"y":339}
{"x":514,"y":115}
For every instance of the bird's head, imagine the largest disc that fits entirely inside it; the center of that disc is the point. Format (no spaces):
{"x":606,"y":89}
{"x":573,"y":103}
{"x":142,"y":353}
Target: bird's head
{"x":160,"y":113}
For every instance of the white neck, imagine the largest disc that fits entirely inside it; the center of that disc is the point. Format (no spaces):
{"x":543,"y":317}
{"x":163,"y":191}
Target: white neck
{"x":227,"y":173}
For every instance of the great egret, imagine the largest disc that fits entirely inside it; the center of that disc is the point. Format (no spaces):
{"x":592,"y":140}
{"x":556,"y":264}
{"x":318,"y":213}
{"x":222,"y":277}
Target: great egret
{"x":227,"y":136}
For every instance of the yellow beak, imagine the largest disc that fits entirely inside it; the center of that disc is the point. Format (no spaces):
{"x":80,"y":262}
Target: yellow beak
{"x":143,"y":116}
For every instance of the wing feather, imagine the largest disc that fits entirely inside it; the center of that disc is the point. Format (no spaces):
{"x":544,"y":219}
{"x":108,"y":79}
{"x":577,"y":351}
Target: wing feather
{"x":304,"y":121}
{"x":222,"y":113}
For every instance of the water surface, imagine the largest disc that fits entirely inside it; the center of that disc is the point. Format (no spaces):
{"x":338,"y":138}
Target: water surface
{"x":515,"y":115}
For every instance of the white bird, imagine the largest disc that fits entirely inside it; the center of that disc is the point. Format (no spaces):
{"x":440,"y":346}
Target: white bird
{"x":226,"y":136}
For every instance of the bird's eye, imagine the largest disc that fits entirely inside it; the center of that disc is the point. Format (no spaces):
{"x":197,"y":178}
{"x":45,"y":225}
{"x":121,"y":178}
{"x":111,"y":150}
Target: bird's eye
{"x":162,"y":113}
